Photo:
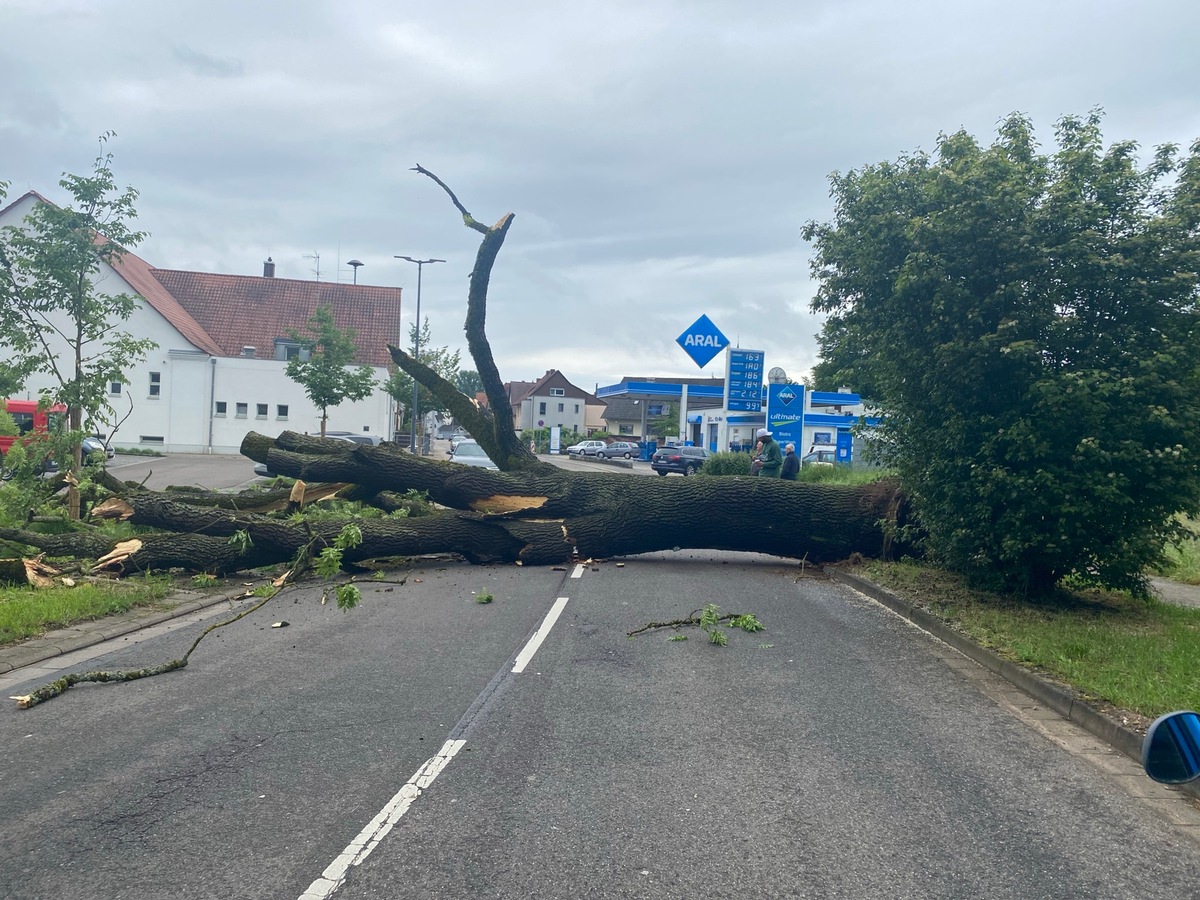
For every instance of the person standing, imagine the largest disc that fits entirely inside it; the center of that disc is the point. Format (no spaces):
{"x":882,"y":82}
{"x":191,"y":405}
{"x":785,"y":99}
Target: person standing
{"x":772,"y":458}
{"x":791,"y":463}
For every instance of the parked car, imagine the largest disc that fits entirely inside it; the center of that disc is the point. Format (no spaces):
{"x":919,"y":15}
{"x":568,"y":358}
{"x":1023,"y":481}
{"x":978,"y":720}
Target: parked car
{"x":92,"y":448}
{"x":684,"y":460}
{"x":358,"y":437}
{"x":469,"y":453}
{"x":618,"y":448}
{"x":818,"y":458}
{"x":586,"y":448}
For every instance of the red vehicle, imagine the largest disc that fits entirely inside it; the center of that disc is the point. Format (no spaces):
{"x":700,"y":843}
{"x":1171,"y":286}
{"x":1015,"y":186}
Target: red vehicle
{"x":31,"y":420}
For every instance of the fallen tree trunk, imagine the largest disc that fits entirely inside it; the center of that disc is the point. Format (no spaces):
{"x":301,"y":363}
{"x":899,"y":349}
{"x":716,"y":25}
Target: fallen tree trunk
{"x":541,"y":516}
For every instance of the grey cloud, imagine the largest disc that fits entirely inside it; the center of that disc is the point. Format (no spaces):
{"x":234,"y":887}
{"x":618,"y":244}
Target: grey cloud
{"x":204,"y":64}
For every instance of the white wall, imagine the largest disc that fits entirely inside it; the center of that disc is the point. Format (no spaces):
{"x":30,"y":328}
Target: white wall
{"x":256,"y":381}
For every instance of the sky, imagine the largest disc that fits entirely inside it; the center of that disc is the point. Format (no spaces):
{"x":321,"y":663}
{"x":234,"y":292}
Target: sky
{"x":660,"y":158}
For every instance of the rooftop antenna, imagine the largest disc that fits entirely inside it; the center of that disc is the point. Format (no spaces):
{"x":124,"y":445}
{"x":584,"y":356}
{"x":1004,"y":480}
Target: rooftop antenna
{"x":316,"y":256}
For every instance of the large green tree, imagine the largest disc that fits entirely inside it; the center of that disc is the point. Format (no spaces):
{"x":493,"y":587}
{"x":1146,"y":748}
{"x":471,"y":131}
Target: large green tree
{"x":324,"y":369}
{"x":55,"y":316}
{"x":469,"y":382}
{"x":1029,"y":323}
{"x":441,"y":360}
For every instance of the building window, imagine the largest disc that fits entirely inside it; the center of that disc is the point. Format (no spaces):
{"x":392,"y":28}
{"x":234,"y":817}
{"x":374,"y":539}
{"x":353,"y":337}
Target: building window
{"x":822,"y":437}
{"x":222,"y":406}
{"x":281,"y":411}
{"x":576,"y":409}
{"x":114,"y":387}
{"x":557,"y":392}
{"x":155,"y":384}
{"x":286,"y":349}
{"x":624,"y":429}
{"x":151,"y":439}
{"x":260,"y":411}
{"x":656,"y":409}
{"x":560,"y":407}
{"x":541,"y":409}
{"x":243,"y":410}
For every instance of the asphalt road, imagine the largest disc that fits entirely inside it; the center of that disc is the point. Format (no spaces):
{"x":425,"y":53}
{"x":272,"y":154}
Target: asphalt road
{"x":213,"y":471}
{"x":393,"y":752}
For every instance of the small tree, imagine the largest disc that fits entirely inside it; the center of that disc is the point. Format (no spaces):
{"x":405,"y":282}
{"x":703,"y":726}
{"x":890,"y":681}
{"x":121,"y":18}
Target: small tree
{"x":1029,"y":324}
{"x":51,"y":268}
{"x":469,"y":382}
{"x":442,"y":361}
{"x":326,"y":375}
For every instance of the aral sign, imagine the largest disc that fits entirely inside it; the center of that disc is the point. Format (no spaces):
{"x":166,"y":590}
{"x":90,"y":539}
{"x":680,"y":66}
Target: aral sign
{"x":785,"y":414}
{"x":702,"y":341}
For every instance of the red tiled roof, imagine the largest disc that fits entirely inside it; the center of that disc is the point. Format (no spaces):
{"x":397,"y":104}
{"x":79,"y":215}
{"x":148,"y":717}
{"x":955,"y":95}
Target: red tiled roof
{"x":140,"y":276}
{"x":251,"y":311}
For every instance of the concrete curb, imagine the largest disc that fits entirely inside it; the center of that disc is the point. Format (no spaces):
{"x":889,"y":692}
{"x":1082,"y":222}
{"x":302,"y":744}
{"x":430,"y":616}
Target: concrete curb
{"x":1062,"y":700}
{"x":87,"y":634}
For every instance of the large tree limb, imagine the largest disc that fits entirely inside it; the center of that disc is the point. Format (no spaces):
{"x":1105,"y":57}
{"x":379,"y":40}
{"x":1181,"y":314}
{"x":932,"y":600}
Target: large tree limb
{"x":500,"y":441}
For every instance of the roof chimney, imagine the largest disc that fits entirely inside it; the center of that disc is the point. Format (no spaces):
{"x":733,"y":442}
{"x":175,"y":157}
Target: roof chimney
{"x":269,"y":268}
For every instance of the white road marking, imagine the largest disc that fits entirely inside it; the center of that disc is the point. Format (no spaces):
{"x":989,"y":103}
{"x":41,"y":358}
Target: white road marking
{"x":376,"y":830}
{"x":531,"y":646}
{"x":327,"y":884}
{"x":578,"y":573}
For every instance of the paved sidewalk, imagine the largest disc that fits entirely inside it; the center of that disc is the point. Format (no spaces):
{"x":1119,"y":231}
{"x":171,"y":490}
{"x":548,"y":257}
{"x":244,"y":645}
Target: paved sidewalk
{"x":1176,"y":592}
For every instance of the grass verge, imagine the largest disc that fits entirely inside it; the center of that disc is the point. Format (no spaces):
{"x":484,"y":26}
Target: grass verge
{"x":1142,"y":656}
{"x":28,"y":612}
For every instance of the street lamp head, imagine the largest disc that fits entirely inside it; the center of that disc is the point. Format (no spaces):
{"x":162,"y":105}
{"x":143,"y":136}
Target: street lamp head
{"x":419,"y":262}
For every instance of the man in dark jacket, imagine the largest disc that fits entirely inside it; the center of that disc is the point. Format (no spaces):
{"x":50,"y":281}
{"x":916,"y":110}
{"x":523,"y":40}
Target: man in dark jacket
{"x":791,"y":464}
{"x":772,"y":458}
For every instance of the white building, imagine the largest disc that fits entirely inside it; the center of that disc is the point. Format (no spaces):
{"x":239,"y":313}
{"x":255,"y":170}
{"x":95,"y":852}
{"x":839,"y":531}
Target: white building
{"x":222,"y":347}
{"x":551,"y":401}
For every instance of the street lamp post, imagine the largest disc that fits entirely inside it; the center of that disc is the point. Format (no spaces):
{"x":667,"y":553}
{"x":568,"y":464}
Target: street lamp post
{"x":412,"y":440}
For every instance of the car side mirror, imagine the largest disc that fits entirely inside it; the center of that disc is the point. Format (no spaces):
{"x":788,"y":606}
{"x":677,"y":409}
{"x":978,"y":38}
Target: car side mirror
{"x":1171,"y":750}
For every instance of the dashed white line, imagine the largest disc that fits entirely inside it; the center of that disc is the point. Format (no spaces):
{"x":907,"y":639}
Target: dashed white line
{"x":327,"y":884}
{"x":579,"y":569}
{"x":376,"y":830}
{"x":531,"y":646}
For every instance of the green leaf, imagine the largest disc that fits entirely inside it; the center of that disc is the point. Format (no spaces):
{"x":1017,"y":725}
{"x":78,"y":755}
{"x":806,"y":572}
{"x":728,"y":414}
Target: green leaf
{"x":328,"y":562}
{"x":348,"y":596}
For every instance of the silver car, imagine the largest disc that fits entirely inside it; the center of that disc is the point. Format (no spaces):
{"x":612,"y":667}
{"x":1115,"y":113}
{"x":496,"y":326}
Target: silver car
{"x":469,"y":453}
{"x":623,"y":449}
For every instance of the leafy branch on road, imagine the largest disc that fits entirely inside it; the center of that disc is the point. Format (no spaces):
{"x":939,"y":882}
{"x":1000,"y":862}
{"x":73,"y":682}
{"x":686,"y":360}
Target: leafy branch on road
{"x":709,"y":621}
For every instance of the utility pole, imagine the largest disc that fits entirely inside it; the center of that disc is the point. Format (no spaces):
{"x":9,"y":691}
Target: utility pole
{"x":421,"y":263}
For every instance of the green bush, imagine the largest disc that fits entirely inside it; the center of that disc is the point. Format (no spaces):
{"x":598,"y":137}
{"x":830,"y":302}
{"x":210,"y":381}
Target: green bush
{"x":1028,"y":320}
{"x":726,"y":463}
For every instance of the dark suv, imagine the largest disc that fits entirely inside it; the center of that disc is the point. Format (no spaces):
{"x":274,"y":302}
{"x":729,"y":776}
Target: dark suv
{"x":684,"y":460}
